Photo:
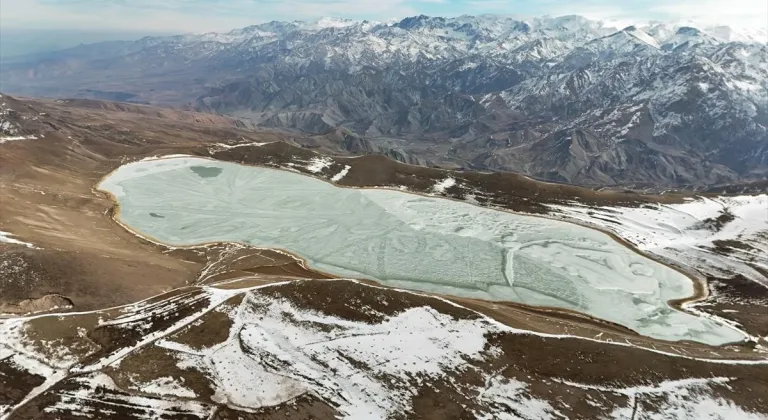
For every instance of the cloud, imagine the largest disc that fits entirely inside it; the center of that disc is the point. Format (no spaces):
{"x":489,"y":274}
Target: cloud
{"x":84,"y":15}
{"x":731,"y":12}
{"x":220,"y":15}
{"x":190,"y":15}
{"x":744,"y":12}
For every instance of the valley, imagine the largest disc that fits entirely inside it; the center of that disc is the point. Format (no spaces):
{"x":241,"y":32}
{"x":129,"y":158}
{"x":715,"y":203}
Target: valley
{"x":100,"y":321}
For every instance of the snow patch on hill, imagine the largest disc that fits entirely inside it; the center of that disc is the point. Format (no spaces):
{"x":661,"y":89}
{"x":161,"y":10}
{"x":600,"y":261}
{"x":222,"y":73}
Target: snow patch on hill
{"x":689,"y":232}
{"x":8,"y":238}
{"x":299,"y":351}
{"x":16,"y":138}
{"x":443,"y":185}
{"x":341,"y":174}
{"x":317,"y":164}
{"x":167,"y":386}
{"x":370,"y":370}
{"x":100,"y":388}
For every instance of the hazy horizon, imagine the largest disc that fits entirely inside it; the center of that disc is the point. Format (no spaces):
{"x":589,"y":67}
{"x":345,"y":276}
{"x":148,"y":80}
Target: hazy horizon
{"x":183,"y":16}
{"x":21,"y":41}
{"x":16,"y":41}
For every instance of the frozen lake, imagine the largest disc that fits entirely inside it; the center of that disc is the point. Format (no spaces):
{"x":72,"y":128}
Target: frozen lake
{"x":409,"y":241}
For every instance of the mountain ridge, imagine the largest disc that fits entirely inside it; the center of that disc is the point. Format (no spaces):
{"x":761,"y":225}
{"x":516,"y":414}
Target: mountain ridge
{"x":567,"y":99}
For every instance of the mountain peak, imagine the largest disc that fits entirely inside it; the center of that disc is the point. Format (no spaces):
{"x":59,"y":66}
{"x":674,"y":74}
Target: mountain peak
{"x":641,"y":35}
{"x":688,"y":30}
{"x":419,"y":21}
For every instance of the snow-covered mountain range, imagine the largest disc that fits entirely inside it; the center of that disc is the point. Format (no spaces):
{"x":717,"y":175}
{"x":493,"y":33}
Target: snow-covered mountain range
{"x":567,"y":98}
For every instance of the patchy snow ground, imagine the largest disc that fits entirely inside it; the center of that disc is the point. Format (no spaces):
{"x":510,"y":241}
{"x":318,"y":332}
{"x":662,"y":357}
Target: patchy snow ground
{"x":443,"y":185}
{"x":341,"y":174}
{"x":685,"y":400}
{"x":233,"y":146}
{"x":159,"y":157}
{"x":317,"y":164}
{"x":298,"y":351}
{"x":686,"y":233}
{"x":500,"y":391}
{"x":7,"y":237}
{"x":5,"y":139}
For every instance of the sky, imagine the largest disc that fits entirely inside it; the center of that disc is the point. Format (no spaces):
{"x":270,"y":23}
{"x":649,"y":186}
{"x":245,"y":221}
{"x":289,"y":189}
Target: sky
{"x":180,"y":16}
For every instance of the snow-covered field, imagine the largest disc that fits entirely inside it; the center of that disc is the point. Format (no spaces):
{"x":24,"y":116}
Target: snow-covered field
{"x":298,"y":351}
{"x":338,"y":177}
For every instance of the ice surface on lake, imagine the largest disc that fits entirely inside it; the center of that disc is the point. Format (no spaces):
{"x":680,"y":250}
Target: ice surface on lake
{"x":410,"y":241}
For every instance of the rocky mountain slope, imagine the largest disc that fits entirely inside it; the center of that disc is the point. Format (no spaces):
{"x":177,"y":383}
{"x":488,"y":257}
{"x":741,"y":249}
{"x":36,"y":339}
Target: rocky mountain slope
{"x":566,"y":99}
